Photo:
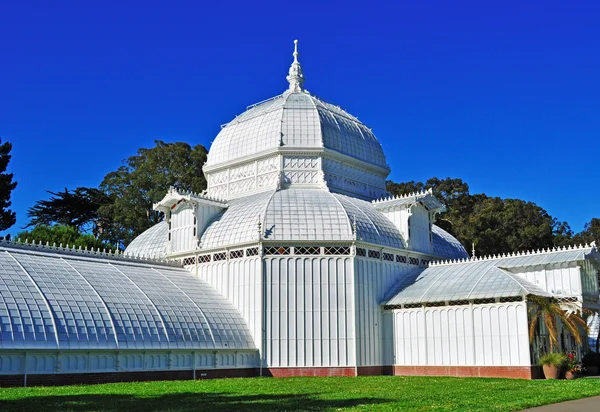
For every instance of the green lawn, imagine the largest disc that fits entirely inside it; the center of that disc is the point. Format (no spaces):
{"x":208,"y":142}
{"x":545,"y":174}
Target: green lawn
{"x":268,"y":394}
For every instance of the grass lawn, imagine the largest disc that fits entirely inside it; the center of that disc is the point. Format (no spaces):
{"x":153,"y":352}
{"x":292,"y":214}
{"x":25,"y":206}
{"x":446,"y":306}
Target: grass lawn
{"x":268,"y":394}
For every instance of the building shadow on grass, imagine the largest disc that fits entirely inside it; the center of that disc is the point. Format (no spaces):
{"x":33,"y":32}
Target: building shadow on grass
{"x":187,"y":401}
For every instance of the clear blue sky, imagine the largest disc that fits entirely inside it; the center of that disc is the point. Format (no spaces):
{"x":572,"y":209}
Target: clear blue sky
{"x":505,"y":95}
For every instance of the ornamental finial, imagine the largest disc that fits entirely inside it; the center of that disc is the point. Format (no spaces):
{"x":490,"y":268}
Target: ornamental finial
{"x":295,"y":76}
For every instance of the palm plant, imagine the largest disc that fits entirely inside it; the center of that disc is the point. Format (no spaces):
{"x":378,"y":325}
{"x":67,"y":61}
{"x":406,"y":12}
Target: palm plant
{"x":550,"y":312}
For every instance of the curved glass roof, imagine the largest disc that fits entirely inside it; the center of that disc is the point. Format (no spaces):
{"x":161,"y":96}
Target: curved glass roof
{"x":461,"y":281}
{"x":238,"y":223}
{"x":305,"y":215}
{"x":445,"y":245}
{"x":50,"y":300}
{"x":371,"y":225}
{"x":152,"y":243}
{"x":300,"y":215}
{"x":295,"y":120}
{"x":297,"y":215}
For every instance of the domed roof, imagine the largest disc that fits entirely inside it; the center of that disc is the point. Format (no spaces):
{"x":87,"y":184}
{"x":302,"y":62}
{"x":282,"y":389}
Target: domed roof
{"x":300,"y":215}
{"x":301,"y":170}
{"x":295,"y":120}
{"x":152,"y":243}
{"x":446,"y":246}
{"x":296,"y":215}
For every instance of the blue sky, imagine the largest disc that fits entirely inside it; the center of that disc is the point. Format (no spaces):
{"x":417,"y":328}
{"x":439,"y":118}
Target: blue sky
{"x":504,"y":95}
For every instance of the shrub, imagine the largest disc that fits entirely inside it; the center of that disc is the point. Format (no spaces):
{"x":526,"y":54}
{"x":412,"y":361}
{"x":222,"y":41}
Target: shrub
{"x":553,"y":358}
{"x":573,"y":363}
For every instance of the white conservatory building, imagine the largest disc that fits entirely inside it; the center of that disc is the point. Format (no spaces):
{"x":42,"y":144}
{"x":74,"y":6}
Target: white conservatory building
{"x":292,"y":263}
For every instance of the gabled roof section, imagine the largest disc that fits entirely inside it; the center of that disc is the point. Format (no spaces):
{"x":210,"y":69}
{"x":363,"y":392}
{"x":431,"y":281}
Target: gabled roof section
{"x":481,"y":278}
{"x":564,"y":254}
{"x":426,"y":198}
{"x":465,"y":281}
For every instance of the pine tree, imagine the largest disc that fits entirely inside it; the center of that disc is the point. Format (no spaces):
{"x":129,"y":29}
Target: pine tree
{"x":7,"y":185}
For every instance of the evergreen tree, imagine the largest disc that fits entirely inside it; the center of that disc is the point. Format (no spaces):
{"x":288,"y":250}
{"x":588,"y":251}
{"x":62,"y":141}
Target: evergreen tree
{"x":76,"y":208}
{"x":493,"y":224}
{"x":143,"y":180}
{"x":7,"y":185}
{"x":589,"y":234}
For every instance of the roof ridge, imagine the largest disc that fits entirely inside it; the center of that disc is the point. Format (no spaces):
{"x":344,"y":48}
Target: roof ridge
{"x":253,"y":106}
{"x":406,"y":196}
{"x":538,"y":252}
{"x":342,"y":112}
{"x":80,"y":251}
{"x":202,"y":196}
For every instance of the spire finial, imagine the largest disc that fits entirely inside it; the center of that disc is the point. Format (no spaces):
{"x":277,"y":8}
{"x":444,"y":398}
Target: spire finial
{"x":295,"y":51}
{"x":295,"y":76}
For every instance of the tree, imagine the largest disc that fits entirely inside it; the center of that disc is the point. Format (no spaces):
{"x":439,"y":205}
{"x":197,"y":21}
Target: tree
{"x":65,"y":235}
{"x":550,"y":312}
{"x":144,"y":179}
{"x":77,"y":208}
{"x":7,"y":185}
{"x":493,"y":224}
{"x":563,"y":235}
{"x":589,"y":234}
{"x":453,"y":192}
{"x":404,"y":188}
{"x":509,"y":225}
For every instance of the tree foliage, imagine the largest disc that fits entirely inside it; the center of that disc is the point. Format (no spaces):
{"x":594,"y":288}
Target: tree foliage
{"x":590,"y":233}
{"x":504,"y":225}
{"x":144,"y":179}
{"x":65,"y":235}
{"x":121,"y":208}
{"x":7,"y":185}
{"x":550,"y":312}
{"x":77,"y":208}
{"x":493,"y":224}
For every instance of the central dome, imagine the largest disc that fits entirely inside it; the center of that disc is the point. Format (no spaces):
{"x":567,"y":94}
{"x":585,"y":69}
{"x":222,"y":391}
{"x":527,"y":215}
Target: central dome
{"x":296,"y":170}
{"x":295,"y":120}
{"x":296,"y":139}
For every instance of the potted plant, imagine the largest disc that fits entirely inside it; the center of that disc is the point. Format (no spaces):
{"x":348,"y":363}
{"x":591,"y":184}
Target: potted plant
{"x":591,"y":361}
{"x":574,"y":367}
{"x":551,"y":314}
{"x":552,"y":364}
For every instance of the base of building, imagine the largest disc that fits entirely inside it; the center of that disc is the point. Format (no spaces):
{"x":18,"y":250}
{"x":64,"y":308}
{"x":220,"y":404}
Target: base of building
{"x":374,"y":370}
{"x":311,"y":371}
{"x":60,"y":379}
{"x":514,"y":372}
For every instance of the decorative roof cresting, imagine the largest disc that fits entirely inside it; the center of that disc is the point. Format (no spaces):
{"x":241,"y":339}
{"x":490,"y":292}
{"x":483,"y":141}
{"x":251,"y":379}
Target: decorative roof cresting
{"x":295,"y":76}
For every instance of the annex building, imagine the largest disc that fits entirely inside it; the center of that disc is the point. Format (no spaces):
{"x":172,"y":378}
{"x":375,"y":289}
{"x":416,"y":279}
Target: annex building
{"x":294,"y":262}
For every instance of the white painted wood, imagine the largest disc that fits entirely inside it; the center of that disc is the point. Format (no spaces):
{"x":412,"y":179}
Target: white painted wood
{"x":373,"y":279}
{"x":240,"y":281}
{"x":499,"y":339}
{"x":309,"y":311}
